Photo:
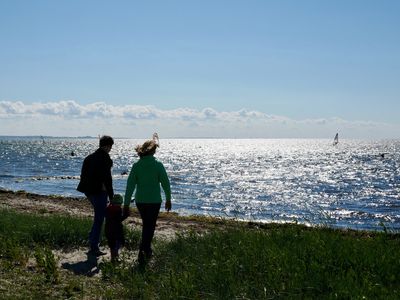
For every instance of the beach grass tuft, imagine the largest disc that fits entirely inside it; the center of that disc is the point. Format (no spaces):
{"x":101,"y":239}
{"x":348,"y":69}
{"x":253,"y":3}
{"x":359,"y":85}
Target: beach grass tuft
{"x":47,"y":263}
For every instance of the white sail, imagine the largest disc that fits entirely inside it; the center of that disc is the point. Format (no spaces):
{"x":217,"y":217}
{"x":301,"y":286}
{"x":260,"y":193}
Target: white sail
{"x":336,"y":139}
{"x":156,"y":139}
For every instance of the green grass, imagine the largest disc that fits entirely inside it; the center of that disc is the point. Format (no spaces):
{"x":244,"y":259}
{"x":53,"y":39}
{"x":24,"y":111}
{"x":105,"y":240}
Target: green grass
{"x":53,"y":230}
{"x":229,"y":262}
{"x":284,"y":262}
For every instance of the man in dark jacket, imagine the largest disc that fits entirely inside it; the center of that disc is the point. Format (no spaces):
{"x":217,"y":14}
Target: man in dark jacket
{"x":96,"y":184}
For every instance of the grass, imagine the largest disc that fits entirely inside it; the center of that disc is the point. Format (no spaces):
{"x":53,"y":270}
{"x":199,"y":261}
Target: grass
{"x":285,"y":262}
{"x":54,"y":231}
{"x":229,"y":262}
{"x":28,"y":237}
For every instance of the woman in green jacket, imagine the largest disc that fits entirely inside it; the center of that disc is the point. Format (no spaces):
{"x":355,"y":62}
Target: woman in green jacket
{"x":145,"y":178}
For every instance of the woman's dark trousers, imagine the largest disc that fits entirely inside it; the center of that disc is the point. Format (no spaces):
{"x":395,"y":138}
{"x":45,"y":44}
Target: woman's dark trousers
{"x":148,"y":213}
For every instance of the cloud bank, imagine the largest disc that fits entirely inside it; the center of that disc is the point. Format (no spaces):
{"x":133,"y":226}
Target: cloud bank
{"x":69,"y":118}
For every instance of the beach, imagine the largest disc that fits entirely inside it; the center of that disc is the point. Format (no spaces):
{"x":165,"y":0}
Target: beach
{"x":270,"y":126}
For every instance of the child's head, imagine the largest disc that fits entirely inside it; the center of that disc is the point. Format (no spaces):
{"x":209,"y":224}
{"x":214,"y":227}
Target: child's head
{"x":117,"y":199}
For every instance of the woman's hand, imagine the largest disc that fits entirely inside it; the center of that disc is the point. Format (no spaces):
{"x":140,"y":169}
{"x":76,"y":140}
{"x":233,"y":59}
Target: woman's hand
{"x":168,"y":205}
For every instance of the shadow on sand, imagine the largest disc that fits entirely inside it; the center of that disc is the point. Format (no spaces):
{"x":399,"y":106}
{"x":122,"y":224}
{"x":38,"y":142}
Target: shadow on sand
{"x":88,"y":267}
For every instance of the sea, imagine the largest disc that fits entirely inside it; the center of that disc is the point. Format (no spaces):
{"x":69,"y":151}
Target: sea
{"x":354,"y":184}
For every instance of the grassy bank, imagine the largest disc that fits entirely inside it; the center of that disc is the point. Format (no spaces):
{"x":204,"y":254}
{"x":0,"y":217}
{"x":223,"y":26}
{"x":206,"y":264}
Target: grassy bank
{"x":241,"y":261}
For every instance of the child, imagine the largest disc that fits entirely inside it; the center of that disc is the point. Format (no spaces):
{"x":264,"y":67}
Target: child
{"x":113,"y":228}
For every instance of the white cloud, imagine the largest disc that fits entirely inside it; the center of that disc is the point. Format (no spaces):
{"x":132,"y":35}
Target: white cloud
{"x":69,"y":118}
{"x":71,"y":109}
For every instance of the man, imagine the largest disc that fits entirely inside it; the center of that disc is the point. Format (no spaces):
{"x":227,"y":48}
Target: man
{"x":96,"y":184}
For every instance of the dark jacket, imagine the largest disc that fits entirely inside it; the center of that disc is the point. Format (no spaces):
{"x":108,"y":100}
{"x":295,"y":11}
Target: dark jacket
{"x":96,"y":174}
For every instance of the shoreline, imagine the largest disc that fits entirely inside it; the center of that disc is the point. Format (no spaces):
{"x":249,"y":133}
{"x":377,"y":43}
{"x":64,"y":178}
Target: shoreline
{"x":169,"y":224}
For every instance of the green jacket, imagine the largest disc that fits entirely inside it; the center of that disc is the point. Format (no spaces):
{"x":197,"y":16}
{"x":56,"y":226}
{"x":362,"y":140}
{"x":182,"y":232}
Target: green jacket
{"x":145,"y":176}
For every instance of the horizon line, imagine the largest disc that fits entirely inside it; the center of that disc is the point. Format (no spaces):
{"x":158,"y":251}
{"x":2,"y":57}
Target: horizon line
{"x":183,"y":137}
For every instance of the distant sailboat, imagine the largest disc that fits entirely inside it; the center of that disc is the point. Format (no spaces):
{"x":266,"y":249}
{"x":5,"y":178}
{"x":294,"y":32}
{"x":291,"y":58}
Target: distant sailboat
{"x":336,"y":139}
{"x":156,"y":139}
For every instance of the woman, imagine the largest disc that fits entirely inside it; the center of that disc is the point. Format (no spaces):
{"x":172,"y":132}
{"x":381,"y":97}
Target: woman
{"x":145,"y":177}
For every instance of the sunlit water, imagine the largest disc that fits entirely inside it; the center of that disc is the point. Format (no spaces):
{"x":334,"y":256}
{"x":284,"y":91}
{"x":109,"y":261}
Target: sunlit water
{"x":306,"y":181}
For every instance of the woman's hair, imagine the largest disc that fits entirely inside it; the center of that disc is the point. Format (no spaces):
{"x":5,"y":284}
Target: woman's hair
{"x":148,"y":148}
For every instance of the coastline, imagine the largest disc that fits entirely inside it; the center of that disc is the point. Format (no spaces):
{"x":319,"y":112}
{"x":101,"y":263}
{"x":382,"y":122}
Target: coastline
{"x":168,"y":224}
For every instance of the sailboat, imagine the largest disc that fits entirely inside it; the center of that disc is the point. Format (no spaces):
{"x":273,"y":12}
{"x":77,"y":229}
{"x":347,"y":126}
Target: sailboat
{"x":336,"y":139}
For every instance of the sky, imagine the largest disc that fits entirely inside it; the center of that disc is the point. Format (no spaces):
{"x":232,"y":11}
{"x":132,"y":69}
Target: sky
{"x":226,"y":68}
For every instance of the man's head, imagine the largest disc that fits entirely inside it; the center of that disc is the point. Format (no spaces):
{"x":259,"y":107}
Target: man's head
{"x":106,"y":142}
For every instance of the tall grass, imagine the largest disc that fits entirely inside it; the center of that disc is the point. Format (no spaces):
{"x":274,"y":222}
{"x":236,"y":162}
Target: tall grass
{"x":232,"y":262}
{"x":48,"y":264}
{"x":25,"y":236}
{"x":284,"y":262}
{"x":54,"y":230}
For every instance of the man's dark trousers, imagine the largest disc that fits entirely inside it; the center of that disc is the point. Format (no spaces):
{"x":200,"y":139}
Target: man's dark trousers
{"x":99,"y":203}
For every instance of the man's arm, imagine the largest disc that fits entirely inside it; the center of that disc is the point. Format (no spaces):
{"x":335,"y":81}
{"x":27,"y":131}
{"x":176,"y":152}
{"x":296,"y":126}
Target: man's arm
{"x":82,"y":186}
{"x":108,"y":179}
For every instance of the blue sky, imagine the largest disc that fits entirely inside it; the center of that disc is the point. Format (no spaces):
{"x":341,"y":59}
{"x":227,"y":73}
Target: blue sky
{"x":293,"y":60}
